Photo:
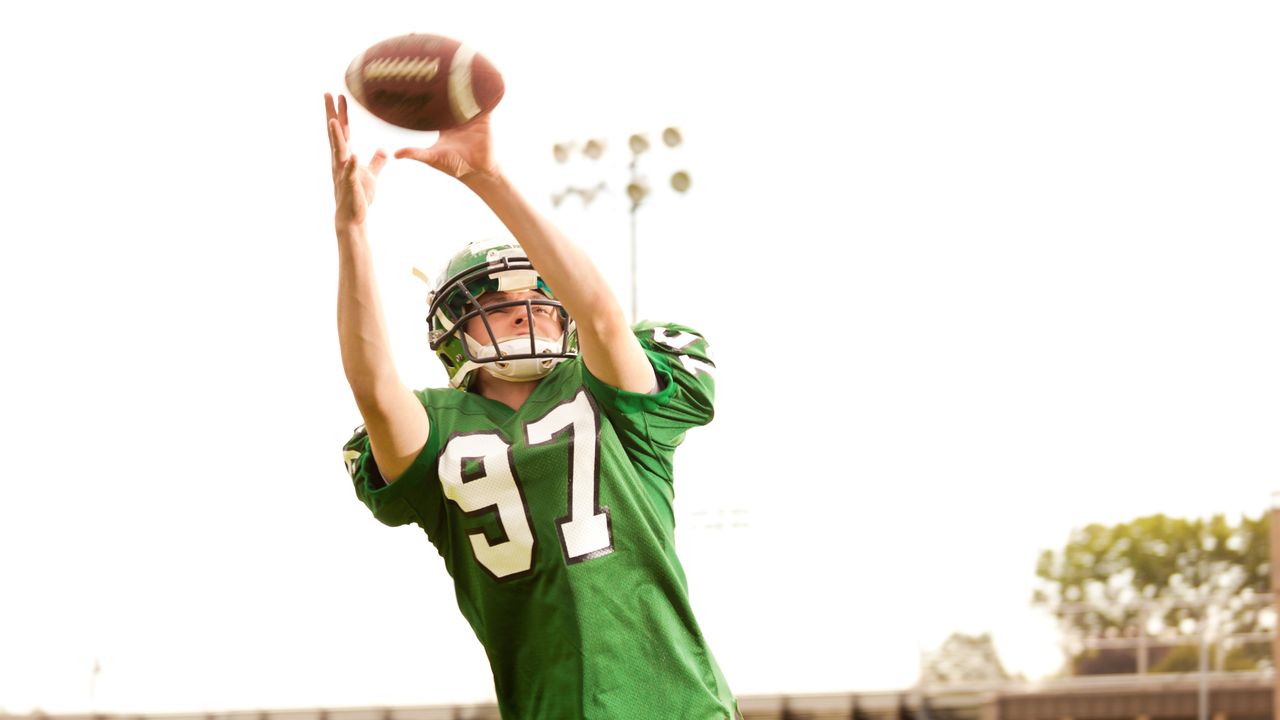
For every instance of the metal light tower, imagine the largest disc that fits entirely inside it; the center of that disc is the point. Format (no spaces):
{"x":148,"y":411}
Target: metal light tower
{"x":637,"y":187}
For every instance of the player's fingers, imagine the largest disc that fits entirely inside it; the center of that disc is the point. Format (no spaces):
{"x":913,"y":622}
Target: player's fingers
{"x":419,"y":154}
{"x":379,"y":160}
{"x":442,"y":160}
{"x":334,"y":135}
{"x":341,"y":150}
{"x":329,"y":111}
{"x":342,"y":116}
{"x":337,"y":143}
{"x":349,"y":170}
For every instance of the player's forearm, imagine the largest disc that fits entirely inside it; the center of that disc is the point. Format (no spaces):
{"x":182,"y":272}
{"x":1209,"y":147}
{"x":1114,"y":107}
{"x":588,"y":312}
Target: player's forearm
{"x":362,"y":334}
{"x":570,"y":273}
{"x":394,"y":418}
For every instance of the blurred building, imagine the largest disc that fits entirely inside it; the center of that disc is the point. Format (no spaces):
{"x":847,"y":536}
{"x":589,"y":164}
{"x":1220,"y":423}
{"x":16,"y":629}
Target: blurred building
{"x":1231,"y":696}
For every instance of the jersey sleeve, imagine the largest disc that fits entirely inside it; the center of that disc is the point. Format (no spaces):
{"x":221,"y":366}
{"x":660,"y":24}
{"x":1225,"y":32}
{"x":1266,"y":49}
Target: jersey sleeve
{"x":412,"y":498}
{"x":652,"y":425}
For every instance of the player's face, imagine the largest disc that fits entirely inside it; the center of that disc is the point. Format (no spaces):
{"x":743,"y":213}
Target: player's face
{"x":513,"y":320}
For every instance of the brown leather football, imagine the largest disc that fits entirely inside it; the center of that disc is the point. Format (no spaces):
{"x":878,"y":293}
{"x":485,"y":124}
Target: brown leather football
{"x":424,"y":82}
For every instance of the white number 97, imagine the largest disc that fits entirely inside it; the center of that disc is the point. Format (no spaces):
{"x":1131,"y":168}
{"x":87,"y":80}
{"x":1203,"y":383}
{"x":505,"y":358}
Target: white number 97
{"x":475,"y":472}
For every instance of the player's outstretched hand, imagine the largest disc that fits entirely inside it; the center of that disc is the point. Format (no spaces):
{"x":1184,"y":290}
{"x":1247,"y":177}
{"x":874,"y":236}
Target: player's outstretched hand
{"x":353,"y":184}
{"x":462,"y":152}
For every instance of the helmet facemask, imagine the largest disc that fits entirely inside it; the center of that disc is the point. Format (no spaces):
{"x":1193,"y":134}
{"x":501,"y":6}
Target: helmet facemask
{"x":475,"y":272}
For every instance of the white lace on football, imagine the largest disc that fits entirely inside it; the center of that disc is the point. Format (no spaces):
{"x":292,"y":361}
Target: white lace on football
{"x":422,"y":69}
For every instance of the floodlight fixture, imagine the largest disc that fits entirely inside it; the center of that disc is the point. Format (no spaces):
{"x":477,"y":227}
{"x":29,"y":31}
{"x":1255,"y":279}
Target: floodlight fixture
{"x":637,"y":190}
{"x":593,"y":149}
{"x":680,"y":181}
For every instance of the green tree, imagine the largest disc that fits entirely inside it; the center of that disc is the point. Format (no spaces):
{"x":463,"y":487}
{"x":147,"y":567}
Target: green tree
{"x":963,"y":658}
{"x":1162,"y":571}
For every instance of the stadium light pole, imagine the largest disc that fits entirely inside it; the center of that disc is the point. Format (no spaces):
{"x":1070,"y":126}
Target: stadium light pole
{"x":637,"y":188}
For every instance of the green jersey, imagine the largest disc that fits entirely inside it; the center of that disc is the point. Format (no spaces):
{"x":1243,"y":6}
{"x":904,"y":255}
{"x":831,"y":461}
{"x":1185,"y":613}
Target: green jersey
{"x":555,"y":522}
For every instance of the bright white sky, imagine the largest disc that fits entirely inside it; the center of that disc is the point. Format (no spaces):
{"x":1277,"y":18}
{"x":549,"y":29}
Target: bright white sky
{"x":975,"y":274}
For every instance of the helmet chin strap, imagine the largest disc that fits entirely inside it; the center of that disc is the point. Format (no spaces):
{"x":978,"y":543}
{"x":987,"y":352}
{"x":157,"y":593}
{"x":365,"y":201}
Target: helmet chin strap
{"x":525,"y":370}
{"x":518,"y":370}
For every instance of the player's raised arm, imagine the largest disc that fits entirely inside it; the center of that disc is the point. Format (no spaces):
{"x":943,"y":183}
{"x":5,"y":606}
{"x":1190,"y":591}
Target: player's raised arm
{"x":395,"y":419}
{"x":608,"y":347}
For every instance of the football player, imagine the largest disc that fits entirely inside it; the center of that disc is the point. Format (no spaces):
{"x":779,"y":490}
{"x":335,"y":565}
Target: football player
{"x":543,"y":473}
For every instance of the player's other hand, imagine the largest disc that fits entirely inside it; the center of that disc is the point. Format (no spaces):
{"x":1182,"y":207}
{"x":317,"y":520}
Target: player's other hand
{"x":464,"y":152}
{"x":353,"y":183}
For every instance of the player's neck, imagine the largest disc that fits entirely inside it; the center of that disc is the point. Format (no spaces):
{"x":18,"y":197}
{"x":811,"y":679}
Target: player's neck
{"x":511,"y":394}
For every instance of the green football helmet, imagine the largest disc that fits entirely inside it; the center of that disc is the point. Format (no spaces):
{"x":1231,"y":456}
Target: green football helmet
{"x":486,"y":267}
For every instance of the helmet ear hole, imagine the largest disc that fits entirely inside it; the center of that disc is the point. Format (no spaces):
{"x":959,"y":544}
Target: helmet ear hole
{"x":448,"y":361}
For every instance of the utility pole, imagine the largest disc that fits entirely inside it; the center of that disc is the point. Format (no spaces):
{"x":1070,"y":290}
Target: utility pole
{"x":1275,"y":599}
{"x":1202,"y":694}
